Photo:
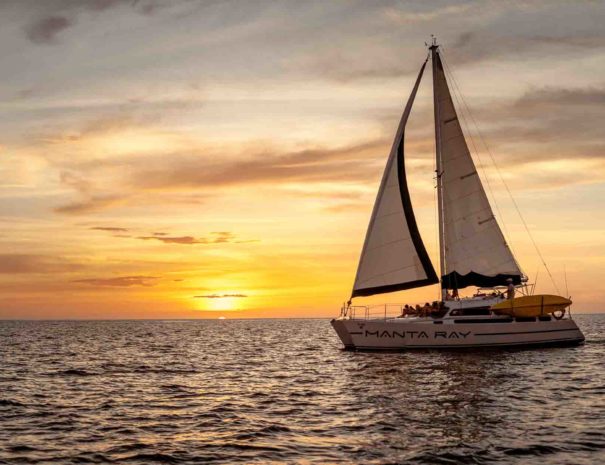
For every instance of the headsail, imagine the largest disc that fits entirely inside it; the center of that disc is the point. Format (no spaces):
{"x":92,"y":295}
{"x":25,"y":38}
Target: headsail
{"x":474,"y":251}
{"x":393,"y":256}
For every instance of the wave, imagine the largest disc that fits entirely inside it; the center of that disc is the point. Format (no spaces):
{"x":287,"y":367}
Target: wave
{"x":125,"y":448}
{"x":533,"y":450}
{"x":10,"y":403}
{"x":21,"y":448}
{"x":259,"y":395}
{"x":74,"y":372}
{"x":154,"y":457}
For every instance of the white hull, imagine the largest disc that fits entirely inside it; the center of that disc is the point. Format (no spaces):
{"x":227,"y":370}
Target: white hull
{"x":450,"y":333}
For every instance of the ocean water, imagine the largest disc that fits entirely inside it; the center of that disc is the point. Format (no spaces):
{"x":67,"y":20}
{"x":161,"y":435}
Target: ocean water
{"x":283,"y":391}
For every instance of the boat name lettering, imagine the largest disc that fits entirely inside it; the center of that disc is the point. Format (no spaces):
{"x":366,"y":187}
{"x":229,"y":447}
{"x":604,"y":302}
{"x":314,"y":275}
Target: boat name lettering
{"x":418,"y":334}
{"x":451,"y":335}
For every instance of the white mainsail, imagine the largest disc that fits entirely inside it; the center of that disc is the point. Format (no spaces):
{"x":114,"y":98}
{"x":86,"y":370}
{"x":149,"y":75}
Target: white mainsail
{"x":474,"y":251}
{"x":393,"y":256}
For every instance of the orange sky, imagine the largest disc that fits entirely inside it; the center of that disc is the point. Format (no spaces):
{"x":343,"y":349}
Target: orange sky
{"x":204,"y":159}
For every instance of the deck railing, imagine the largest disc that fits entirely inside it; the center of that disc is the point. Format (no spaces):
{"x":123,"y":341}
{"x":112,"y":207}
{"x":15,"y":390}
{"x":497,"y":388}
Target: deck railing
{"x":372,"y":312}
{"x":388,"y":311}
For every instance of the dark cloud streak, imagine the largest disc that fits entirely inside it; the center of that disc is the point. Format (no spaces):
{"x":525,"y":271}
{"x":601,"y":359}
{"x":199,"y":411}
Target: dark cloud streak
{"x":108,"y":229}
{"x":121,"y":281}
{"x":316,"y":165}
{"x":218,"y":238}
{"x":219,"y":296}
{"x":91,"y":205}
{"x":45,"y":30}
{"x":31,"y":264}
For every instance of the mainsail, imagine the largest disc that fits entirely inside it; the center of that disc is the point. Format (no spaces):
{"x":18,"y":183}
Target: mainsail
{"x":393,"y":256}
{"x":473,"y":249}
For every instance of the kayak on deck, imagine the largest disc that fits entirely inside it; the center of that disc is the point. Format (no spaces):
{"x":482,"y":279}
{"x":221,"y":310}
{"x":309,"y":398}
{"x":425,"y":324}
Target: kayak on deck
{"x":531,"y":305}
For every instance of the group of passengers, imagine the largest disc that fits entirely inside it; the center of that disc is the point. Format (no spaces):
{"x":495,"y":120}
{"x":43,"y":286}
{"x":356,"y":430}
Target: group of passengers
{"x":436,"y":310}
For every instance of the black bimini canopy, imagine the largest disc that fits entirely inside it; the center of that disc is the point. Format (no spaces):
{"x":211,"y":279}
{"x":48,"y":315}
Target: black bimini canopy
{"x":455,"y":280}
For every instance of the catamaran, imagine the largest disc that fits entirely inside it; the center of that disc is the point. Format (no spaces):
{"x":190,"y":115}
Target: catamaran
{"x":472,"y":252}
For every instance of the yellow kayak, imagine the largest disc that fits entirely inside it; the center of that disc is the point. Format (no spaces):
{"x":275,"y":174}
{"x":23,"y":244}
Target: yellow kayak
{"x":531,"y":305}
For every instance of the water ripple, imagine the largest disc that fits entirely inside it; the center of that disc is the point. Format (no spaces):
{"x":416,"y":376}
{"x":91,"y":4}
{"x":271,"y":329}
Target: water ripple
{"x":283,"y":391}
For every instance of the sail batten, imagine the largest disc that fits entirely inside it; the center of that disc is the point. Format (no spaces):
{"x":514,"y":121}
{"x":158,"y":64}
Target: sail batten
{"x":473,"y":249}
{"x":393,"y":257}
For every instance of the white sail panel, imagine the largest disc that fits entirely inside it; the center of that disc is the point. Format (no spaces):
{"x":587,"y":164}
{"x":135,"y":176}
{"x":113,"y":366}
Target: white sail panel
{"x":475,"y":251}
{"x":393,"y":256}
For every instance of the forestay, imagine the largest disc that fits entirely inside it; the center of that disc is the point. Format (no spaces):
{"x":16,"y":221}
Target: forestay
{"x":475,"y":251}
{"x":393,"y":256}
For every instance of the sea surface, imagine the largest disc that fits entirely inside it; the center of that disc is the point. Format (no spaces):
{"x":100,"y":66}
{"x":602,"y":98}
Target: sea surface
{"x":283,"y":391}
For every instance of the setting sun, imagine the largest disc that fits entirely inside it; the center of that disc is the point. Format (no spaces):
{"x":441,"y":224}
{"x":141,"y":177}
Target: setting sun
{"x":225,"y":302}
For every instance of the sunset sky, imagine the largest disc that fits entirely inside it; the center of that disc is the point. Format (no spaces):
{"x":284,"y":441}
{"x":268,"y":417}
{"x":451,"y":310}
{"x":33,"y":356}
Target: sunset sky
{"x":197,"y":159}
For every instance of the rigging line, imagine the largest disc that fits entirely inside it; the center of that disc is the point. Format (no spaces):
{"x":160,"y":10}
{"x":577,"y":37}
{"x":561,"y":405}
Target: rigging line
{"x":505,"y":184}
{"x":566,"y":288}
{"x":458,"y":96}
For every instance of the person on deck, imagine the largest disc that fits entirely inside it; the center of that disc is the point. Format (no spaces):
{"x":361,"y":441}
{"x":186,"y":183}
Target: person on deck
{"x":426,"y":310}
{"x":510,"y":289}
{"x":404,"y":311}
{"x":439,"y":311}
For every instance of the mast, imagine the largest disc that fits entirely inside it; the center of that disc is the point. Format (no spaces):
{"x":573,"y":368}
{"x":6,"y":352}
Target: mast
{"x":438,"y":169}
